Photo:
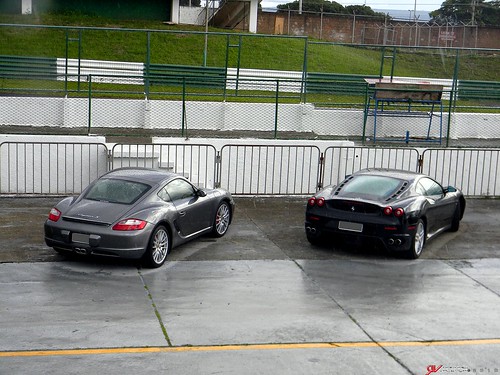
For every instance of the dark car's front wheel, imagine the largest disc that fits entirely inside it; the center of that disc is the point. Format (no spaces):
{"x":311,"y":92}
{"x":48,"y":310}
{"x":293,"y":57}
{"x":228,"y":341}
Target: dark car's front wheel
{"x":222,"y":220}
{"x":158,"y":248}
{"x":455,"y":221}
{"x":418,"y":241}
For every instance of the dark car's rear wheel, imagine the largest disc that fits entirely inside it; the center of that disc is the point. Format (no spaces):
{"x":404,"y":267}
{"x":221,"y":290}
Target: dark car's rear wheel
{"x":158,"y":248}
{"x":222,"y":220}
{"x":418,"y":241}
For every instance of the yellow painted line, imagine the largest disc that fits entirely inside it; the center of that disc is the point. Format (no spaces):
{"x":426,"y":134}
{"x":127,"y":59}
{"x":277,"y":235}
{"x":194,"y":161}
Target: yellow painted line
{"x":222,"y":348}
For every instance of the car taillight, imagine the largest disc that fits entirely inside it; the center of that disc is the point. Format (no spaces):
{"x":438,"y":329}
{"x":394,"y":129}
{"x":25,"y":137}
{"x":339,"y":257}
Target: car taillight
{"x":130,"y":224}
{"x":313,"y":201}
{"x":398,"y":212}
{"x":54,"y":214}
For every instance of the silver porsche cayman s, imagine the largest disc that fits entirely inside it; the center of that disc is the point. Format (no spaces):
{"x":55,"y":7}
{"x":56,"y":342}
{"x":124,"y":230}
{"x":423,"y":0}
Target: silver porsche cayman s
{"x":137,"y":213}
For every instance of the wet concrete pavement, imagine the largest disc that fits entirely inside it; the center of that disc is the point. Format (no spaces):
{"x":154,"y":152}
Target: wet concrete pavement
{"x":259,"y":300}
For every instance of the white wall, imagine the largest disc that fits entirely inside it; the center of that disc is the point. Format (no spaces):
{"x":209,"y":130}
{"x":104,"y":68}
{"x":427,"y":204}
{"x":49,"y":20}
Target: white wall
{"x":157,"y":114}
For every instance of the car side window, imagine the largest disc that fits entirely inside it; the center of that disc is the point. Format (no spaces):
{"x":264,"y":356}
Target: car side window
{"x":420,"y":189}
{"x":431,"y":187}
{"x":177,"y":189}
{"x":164,"y":195}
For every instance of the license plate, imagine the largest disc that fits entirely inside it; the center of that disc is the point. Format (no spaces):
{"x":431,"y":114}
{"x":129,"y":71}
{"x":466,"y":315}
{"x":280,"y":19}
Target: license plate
{"x":352,"y":227}
{"x":80,"y":238}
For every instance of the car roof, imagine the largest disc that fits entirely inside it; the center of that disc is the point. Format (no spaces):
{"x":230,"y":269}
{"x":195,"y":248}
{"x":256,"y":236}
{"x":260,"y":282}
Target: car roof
{"x":147,"y":175}
{"x":395,"y":173}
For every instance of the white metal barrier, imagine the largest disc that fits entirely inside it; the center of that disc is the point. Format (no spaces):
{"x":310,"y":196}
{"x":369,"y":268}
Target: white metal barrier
{"x":50,"y":168}
{"x":46,"y":168}
{"x":474,"y":171}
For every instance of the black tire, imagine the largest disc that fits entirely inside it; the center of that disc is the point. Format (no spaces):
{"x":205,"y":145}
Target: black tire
{"x":418,"y":241}
{"x":158,"y":248}
{"x":222,"y":220}
{"x":455,"y":222}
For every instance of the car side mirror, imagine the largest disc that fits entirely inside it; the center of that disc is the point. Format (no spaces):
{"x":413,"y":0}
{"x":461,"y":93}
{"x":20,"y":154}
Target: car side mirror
{"x":450,"y":189}
{"x":201,"y":193}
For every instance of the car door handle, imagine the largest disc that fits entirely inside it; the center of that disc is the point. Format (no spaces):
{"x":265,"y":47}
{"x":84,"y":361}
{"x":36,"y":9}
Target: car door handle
{"x":182,"y":213}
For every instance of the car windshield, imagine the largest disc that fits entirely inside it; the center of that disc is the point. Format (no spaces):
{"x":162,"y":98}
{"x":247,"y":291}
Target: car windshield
{"x":378,"y":186}
{"x":117,"y":191}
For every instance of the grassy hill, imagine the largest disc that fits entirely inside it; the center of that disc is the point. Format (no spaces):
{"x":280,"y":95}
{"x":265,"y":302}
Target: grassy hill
{"x":184,"y":45}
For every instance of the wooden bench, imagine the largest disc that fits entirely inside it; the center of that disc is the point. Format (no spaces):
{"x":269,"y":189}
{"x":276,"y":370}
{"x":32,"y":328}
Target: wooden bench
{"x":391,"y":99}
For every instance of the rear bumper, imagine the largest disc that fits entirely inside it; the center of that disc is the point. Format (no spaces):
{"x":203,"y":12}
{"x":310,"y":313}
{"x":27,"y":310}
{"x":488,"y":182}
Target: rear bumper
{"x":101,"y":241}
{"x":394,"y":240}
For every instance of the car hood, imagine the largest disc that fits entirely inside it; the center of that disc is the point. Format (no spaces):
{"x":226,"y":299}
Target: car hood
{"x":96,"y":212}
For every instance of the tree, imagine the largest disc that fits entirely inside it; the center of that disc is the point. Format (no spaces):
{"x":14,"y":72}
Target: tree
{"x":475,"y":12}
{"x":491,"y":13}
{"x":362,"y":10}
{"x":314,"y":6}
{"x":330,"y":7}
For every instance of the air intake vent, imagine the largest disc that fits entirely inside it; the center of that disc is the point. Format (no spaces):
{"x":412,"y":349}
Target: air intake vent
{"x":337,"y":190}
{"x":400,"y":190}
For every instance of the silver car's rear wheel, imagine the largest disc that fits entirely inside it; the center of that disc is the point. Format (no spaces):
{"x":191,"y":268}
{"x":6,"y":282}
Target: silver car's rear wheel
{"x":159,"y":247}
{"x":222,"y":220}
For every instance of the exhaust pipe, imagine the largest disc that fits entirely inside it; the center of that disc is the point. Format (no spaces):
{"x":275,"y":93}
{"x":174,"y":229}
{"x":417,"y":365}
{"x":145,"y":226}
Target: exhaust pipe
{"x":390,"y":241}
{"x":398,"y":242}
{"x":311,"y":230}
{"x":80,"y":251}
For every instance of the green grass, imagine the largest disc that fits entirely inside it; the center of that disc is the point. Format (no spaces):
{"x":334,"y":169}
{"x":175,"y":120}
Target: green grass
{"x":127,"y":41}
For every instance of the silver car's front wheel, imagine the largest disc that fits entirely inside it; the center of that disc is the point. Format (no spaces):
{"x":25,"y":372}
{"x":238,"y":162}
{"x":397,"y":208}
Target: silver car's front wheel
{"x":222,"y":220}
{"x":159,"y":247}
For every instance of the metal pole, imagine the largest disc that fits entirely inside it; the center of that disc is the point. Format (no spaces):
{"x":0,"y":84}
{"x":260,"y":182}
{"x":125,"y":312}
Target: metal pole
{"x":89,"y":116}
{"x":453,"y":96}
{"x":66,"y":65}
{"x":303,"y":84}
{"x":276,"y":109}
{"x":183,"y":105}
{"x":79,"y":56}
{"x":148,"y":62}
{"x":321,"y":24}
{"x":205,"y":48}
{"x":240,"y":40}
{"x":288,"y":24}
{"x":353,"y":28}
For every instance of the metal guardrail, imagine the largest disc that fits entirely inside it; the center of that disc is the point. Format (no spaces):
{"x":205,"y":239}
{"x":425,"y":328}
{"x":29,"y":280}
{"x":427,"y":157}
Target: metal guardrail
{"x":44,"y":168}
{"x":340,"y":162}
{"x":196,"y":162}
{"x":474,"y":171}
{"x":50,"y":168}
{"x":269,"y":170}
